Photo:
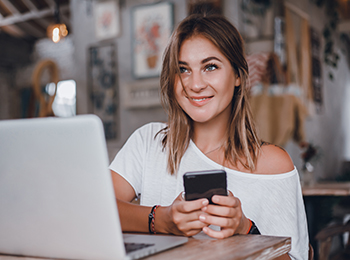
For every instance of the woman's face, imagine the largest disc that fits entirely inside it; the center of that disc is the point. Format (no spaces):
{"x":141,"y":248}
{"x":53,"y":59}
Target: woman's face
{"x":209,"y":81}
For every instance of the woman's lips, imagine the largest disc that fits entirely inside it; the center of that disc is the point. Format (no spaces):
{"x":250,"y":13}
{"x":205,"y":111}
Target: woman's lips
{"x":199,"y":101}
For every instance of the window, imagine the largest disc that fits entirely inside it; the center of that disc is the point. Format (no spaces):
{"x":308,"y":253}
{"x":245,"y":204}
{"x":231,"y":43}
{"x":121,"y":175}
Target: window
{"x":64,"y":104}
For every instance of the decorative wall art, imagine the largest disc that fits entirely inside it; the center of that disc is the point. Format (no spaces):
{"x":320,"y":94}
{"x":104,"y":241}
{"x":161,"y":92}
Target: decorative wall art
{"x":102,"y":78}
{"x":106,"y":15}
{"x":151,"y":29}
{"x":258,"y":19}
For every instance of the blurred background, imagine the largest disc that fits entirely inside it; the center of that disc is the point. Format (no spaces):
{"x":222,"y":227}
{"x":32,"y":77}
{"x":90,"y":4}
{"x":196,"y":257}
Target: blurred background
{"x":69,"y":57}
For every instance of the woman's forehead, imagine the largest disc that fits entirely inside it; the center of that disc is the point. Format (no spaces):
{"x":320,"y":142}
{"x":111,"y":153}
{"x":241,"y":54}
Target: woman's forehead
{"x":197,"y":45}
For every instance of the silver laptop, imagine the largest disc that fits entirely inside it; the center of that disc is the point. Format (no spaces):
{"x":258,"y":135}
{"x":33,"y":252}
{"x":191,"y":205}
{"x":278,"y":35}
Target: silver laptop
{"x":56,"y":194}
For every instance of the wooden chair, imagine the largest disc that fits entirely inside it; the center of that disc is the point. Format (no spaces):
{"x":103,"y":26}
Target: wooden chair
{"x":325,"y":237}
{"x":45,"y":103}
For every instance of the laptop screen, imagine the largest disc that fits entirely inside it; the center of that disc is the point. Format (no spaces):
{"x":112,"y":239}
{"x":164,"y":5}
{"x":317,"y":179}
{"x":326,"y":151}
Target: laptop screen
{"x":56,"y":194}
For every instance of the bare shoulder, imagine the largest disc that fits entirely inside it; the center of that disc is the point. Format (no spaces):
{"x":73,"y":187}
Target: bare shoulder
{"x":273,"y":159}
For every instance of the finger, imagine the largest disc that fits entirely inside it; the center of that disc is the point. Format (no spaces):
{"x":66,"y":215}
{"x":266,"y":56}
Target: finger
{"x":193,"y":225}
{"x":219,"y":221}
{"x":190,"y":206}
{"x":222,"y":211}
{"x":191,"y":228}
{"x":179,"y":218}
{"x":218,"y":234}
{"x":190,"y":233}
{"x":228,"y":201}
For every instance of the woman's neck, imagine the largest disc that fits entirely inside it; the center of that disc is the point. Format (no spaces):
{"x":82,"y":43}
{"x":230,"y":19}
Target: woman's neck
{"x":209,"y":137}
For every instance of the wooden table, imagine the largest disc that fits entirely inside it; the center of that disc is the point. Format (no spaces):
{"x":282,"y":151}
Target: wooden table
{"x":327,"y":189}
{"x":237,"y":247}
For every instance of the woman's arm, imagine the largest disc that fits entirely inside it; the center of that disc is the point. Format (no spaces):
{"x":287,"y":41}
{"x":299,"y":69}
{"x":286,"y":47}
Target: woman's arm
{"x":180,"y":218}
{"x":133,"y":218}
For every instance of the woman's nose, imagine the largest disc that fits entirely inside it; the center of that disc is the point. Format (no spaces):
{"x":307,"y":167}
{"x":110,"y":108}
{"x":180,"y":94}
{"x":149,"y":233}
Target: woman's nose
{"x":197,"y":82}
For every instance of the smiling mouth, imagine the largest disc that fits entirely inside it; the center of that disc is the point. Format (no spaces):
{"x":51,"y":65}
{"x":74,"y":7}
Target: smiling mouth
{"x":199,"y":99}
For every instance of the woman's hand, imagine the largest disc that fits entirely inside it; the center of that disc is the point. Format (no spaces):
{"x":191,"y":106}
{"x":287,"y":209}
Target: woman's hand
{"x":182,"y":217}
{"x":227,"y":213}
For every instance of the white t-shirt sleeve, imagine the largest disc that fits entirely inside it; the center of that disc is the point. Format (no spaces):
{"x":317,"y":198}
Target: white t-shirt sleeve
{"x":130,"y":160}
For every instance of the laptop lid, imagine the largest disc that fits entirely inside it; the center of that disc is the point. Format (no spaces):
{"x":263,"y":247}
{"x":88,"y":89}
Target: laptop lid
{"x":56,"y":194}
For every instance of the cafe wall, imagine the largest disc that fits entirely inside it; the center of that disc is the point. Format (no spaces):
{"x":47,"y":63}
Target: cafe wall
{"x":326,"y":129}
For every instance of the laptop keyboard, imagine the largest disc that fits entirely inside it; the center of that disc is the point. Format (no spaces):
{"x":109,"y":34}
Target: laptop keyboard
{"x":130,"y":247}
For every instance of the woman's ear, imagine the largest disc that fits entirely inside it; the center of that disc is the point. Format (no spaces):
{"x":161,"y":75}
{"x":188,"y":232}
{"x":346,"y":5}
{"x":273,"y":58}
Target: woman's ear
{"x":237,"y":81}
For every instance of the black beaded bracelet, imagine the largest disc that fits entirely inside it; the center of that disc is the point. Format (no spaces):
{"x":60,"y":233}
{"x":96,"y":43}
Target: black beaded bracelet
{"x":151,"y":217}
{"x":253,"y":229}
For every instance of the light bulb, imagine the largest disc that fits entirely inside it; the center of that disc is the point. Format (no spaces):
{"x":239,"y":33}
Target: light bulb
{"x":56,"y":35}
{"x":57,"y":31}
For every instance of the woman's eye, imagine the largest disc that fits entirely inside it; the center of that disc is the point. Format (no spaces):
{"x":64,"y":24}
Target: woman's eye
{"x":183,"y":70}
{"x":211,"y":67}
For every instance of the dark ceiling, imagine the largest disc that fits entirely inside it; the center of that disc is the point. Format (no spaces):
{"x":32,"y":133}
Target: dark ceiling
{"x":29,"y":19}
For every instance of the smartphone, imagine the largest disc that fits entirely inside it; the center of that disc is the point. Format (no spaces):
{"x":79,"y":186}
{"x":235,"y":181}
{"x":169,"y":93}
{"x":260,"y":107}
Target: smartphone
{"x":205,"y":184}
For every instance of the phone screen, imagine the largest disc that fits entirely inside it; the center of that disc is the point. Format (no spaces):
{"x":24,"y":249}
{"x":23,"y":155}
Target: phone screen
{"x":205,"y":184}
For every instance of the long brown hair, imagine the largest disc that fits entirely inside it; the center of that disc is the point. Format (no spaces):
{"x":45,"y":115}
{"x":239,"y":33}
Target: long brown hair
{"x":242,"y":143}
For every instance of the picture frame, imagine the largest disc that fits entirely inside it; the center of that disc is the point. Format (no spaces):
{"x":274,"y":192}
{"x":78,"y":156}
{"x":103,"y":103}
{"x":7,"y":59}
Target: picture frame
{"x":107,"y":19}
{"x":152,"y":26}
{"x":103,"y":87}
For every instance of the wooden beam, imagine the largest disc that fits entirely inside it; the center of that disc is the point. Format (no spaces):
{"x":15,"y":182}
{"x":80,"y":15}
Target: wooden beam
{"x":30,"y":5}
{"x":41,"y":21}
{"x":10,"y":7}
{"x":51,"y":3}
{"x":14,"y":31}
{"x":29,"y":16}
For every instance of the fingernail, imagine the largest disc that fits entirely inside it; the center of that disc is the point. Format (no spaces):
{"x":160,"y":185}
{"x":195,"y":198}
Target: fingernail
{"x":205,"y":202}
{"x":204,"y":208}
{"x":201,"y":217}
{"x":215,"y":199}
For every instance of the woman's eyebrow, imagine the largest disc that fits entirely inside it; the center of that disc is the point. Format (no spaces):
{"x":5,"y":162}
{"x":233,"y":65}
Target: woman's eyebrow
{"x":203,"y":61}
{"x":209,"y":59}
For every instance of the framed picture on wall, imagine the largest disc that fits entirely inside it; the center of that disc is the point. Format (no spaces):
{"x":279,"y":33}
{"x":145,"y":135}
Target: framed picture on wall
{"x":151,"y":29}
{"x":107,"y":19}
{"x":103,"y":87}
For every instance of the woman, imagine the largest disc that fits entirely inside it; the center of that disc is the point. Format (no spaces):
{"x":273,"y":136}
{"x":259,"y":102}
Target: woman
{"x":203,"y":89}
